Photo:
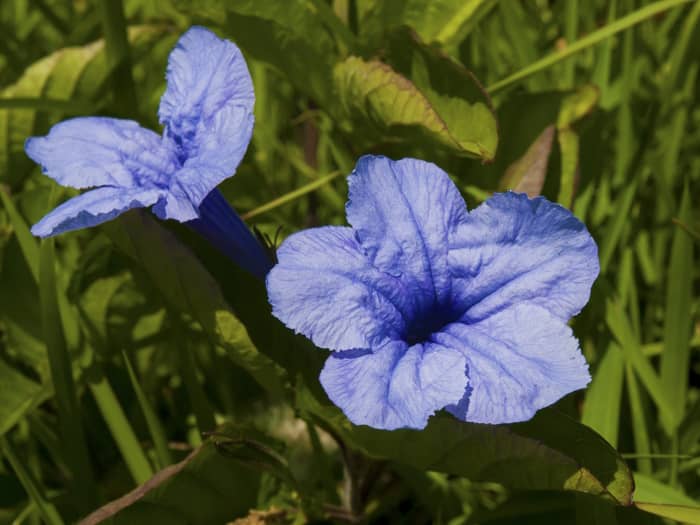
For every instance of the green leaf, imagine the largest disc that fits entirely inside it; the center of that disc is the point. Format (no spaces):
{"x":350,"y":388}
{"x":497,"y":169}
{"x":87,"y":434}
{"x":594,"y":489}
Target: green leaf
{"x":651,"y":490}
{"x":18,"y":396}
{"x":35,"y":492}
{"x":74,"y":75}
{"x":206,"y":488}
{"x":549,"y":452}
{"x":60,"y":363}
{"x":188,"y":288}
{"x":589,"y":40}
{"x":601,"y":410}
{"x":376,"y":97}
{"x":679,"y":513}
{"x":574,"y":107}
{"x":678,"y":320}
{"x":296,"y":41}
{"x":445,"y":22}
{"x":621,"y":328}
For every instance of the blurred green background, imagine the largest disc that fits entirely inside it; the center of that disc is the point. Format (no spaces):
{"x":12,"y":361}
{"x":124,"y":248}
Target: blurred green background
{"x":111,"y":364}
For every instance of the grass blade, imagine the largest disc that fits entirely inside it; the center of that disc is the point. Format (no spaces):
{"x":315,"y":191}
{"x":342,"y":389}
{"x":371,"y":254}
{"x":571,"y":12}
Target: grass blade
{"x":117,"y":48}
{"x":675,"y":359}
{"x":589,"y":40}
{"x":70,"y":423}
{"x":121,"y":430}
{"x":291,"y":196}
{"x":621,"y":328}
{"x":160,"y":442}
{"x":31,"y":486}
{"x":639,"y":425}
{"x":27,"y":242}
{"x":601,"y":410}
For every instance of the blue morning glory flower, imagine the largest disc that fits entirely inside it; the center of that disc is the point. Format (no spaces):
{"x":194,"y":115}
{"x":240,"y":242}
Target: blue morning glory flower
{"x":207,"y":115}
{"x":428,"y":306}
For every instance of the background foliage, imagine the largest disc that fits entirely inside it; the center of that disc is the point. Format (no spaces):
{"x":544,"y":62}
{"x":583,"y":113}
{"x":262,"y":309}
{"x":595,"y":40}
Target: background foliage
{"x":119,"y":346}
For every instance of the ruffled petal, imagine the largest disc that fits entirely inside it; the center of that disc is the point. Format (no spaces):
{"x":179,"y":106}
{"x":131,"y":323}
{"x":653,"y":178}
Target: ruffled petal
{"x":94,"y":207}
{"x":324,"y":287}
{"x":395,"y":386}
{"x":403,"y":212}
{"x":205,"y":75}
{"x":513,"y":249}
{"x":519,"y":360}
{"x":221,"y":145}
{"x":95,"y":151}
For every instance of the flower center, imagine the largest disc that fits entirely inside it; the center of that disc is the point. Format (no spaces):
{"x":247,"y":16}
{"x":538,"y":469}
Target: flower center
{"x":428,"y":323}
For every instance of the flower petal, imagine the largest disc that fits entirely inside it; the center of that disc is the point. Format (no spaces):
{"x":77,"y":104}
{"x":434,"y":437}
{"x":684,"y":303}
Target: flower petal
{"x":403,"y":212}
{"x":222,"y":143}
{"x":94,"y":207}
{"x":324,"y":287}
{"x":205,"y":75}
{"x":395,"y":386}
{"x":519,"y":360}
{"x":513,"y":249}
{"x":96,"y":151}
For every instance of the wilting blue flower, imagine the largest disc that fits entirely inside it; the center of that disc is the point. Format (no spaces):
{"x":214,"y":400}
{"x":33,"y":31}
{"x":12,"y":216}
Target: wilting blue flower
{"x":428,"y":306}
{"x":207,"y":115}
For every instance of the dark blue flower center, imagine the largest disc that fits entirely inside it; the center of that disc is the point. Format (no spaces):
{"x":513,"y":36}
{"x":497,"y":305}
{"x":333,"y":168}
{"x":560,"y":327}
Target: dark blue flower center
{"x":433,"y":320}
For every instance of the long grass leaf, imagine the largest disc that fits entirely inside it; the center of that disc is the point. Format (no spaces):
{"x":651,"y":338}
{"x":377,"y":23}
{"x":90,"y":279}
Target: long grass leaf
{"x":70,"y":423}
{"x":589,"y":40}
{"x":35,"y":492}
{"x":27,"y":242}
{"x":621,"y":328}
{"x":121,"y":430}
{"x":155,"y":429}
{"x":601,"y":411}
{"x":291,"y":196}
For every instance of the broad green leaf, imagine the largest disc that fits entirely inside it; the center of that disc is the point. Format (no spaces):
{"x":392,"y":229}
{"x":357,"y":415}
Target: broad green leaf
{"x":678,"y":320}
{"x":206,"y":488}
{"x":527,"y":174}
{"x":188,"y":288}
{"x":557,"y":508}
{"x":549,"y":452}
{"x":375,"y":96}
{"x":601,"y":410}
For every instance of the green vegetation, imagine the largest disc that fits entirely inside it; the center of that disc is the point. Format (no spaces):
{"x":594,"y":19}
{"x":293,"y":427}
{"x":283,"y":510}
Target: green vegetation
{"x":134,"y":349}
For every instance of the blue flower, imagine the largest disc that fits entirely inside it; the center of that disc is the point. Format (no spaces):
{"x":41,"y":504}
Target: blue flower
{"x":207,"y":115}
{"x":431,"y":307}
